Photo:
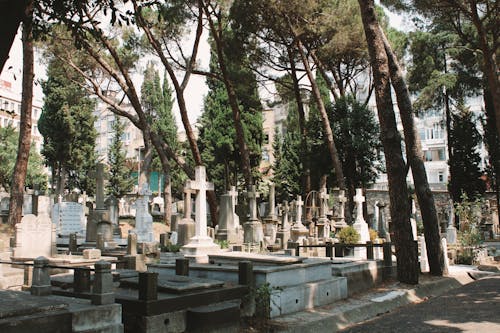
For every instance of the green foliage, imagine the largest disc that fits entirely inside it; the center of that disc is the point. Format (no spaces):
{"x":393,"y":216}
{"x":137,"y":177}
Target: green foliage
{"x":217,"y":137}
{"x":119,"y":182}
{"x":157,"y":102}
{"x":287,"y":165}
{"x":465,"y":160}
{"x":8,"y":152}
{"x":224,"y":244}
{"x":170,"y":248}
{"x":67,"y":126}
{"x":469,"y":237}
{"x":348,"y":235}
{"x":373,"y":234}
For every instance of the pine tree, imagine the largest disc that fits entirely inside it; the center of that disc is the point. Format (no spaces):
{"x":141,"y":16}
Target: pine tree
{"x":67,"y":126}
{"x":464,"y":163}
{"x":119,"y":182}
{"x":287,"y":166}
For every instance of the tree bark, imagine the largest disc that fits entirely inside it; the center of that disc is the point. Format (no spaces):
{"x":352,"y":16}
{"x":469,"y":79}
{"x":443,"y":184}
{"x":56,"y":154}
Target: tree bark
{"x":330,"y":142}
{"x":415,"y":158}
{"x":23,"y":150}
{"x":406,"y":249}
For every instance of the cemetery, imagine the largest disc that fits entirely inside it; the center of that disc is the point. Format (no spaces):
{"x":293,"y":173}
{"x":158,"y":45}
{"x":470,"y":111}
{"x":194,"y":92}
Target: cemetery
{"x":249,"y":166}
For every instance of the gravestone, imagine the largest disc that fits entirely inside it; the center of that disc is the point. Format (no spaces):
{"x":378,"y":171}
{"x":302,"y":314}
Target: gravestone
{"x":323,"y":222}
{"x":68,"y":218}
{"x":451,"y":231}
{"x":99,"y":220}
{"x":186,"y":226}
{"x":424,"y":260}
{"x":360,"y":224}
{"x":143,"y":219}
{"x":413,"y":220}
{"x":253,"y":234}
{"x":383,"y":225}
{"x":200,"y":245}
{"x":284,"y":230}
{"x":376,"y":217}
{"x":299,"y":231}
{"x":228,"y":227}
{"x":27,"y":204}
{"x":158,"y":205}
{"x":340,"y":218}
{"x":270,"y":222}
{"x":34,"y":237}
{"x":44,"y":206}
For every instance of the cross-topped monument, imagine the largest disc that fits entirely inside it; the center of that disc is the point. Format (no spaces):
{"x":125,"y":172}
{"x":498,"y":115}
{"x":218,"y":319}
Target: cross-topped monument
{"x":252,"y":196}
{"x":360,"y":224}
{"x":299,"y":231}
{"x":298,"y":209}
{"x":200,"y":245}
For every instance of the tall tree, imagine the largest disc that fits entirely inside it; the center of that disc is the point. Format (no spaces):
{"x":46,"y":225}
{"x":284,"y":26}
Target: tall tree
{"x":23,"y":150}
{"x":465,"y":161}
{"x":406,"y":249}
{"x":119,"y":182}
{"x":67,"y":126}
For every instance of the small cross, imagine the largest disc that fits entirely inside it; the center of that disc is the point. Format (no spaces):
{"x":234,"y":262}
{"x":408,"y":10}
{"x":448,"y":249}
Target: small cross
{"x":252,"y":196}
{"x":299,"y":203}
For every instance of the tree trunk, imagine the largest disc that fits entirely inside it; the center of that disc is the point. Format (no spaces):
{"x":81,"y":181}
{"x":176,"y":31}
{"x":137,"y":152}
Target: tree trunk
{"x":304,"y":156}
{"x":23,"y":150}
{"x":415,"y":157}
{"x":167,"y":199}
{"x":330,"y":142}
{"x":406,"y":249}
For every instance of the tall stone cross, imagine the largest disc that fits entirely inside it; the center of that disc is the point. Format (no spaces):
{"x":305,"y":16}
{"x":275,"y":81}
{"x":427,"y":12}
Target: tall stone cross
{"x":359,"y":199}
{"x":252,"y":196}
{"x":201,"y":185}
{"x":234,"y":194}
{"x":298,"y":204}
{"x":342,"y":200}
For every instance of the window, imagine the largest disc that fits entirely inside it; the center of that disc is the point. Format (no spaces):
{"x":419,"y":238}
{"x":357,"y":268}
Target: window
{"x":265,"y":155}
{"x":428,"y":155}
{"x":441,"y":177}
{"x":421,"y":132}
{"x":266,"y":139}
{"x":441,"y":154}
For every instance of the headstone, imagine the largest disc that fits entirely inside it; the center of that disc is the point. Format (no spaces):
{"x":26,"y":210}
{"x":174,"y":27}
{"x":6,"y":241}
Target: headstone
{"x":270,"y":222}
{"x":376,"y":217}
{"x":227,"y":227}
{"x":340,"y":218}
{"x":111,"y":204}
{"x":143,"y":219}
{"x":200,"y":245}
{"x":253,"y":233}
{"x":33,"y":237}
{"x":99,"y":220}
{"x":174,"y":238}
{"x":234,"y":194}
{"x":27,"y":204}
{"x":446,"y":267}
{"x":413,"y":220}
{"x":360,"y":224}
{"x":186,"y":226}
{"x":299,"y":231}
{"x":68,"y":218}
{"x":451,"y":231}
{"x":383,"y":225}
{"x":284,"y":230}
{"x":44,"y":205}
{"x":424,"y":260}
{"x":323,"y":223}
{"x":158,"y":205}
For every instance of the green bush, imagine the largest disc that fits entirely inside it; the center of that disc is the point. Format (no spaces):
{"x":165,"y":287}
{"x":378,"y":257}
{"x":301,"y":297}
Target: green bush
{"x":373,"y":234}
{"x":348,"y":235}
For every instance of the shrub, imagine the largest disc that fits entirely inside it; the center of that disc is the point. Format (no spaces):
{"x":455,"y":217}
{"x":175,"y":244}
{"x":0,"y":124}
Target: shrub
{"x":348,"y":235}
{"x":373,"y":234}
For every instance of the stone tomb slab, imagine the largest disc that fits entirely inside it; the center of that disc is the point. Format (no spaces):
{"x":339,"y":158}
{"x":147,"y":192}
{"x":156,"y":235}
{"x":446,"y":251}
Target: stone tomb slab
{"x":175,"y":284}
{"x":15,"y":304}
{"x":258,"y":259}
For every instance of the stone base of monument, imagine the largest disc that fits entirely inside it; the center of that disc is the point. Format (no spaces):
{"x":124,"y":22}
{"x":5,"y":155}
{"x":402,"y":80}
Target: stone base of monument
{"x":295,"y":283}
{"x":199,"y":248}
{"x":185,"y":231}
{"x":231,"y":236}
{"x":299,"y":232}
{"x":283,"y":235}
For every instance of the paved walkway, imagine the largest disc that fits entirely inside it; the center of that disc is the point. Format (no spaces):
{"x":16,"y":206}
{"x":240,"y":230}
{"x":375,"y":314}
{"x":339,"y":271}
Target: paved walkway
{"x":474,"y":307}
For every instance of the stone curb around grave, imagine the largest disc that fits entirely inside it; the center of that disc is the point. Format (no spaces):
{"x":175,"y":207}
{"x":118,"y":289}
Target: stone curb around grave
{"x":317,"y":320}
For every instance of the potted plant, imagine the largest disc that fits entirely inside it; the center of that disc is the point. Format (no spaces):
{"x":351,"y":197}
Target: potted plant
{"x":347,"y":235}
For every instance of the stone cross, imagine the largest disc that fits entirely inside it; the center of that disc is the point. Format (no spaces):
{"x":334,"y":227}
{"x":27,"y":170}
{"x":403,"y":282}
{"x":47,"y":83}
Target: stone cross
{"x":298,"y":204}
{"x":359,"y":199}
{"x":99,"y":194}
{"x":233,"y":193}
{"x":201,"y":185}
{"x":252,"y":196}
{"x":342,"y":200}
